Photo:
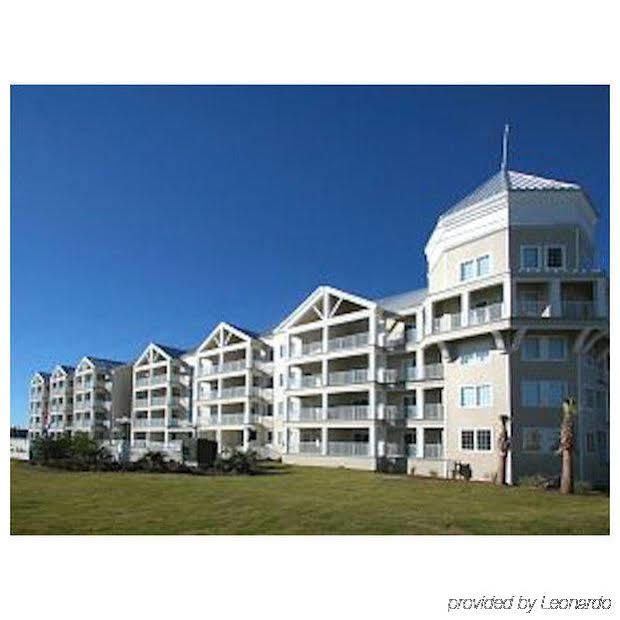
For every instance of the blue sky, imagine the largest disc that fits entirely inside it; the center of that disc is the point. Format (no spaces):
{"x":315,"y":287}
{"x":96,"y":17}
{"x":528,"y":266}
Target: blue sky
{"x":145,"y":214}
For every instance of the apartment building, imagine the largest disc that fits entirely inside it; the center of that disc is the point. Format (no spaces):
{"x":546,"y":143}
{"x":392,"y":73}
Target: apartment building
{"x":102,"y":393}
{"x":514,"y":318}
{"x":162,"y":398}
{"x":60,"y":399}
{"x":233,"y":388}
{"x":38,"y":404}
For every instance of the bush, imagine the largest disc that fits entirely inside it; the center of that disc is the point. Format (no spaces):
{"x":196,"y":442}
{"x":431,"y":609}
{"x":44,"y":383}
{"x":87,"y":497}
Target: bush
{"x":236,"y":461}
{"x":77,"y":453}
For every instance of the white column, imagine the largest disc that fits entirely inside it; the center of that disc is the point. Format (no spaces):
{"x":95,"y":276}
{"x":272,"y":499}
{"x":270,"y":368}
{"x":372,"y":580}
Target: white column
{"x":324,"y":405}
{"x":507,"y":297}
{"x":372,"y":327}
{"x":419,"y":324}
{"x":325,"y":336}
{"x":218,"y":439}
{"x":324,"y":438}
{"x":419,"y":402}
{"x":246,"y":438}
{"x":420,"y":442}
{"x":246,"y":411}
{"x":465,"y":308}
{"x":419,"y":362}
{"x":555,"y":298}
{"x":324,"y":372}
{"x":372,"y":402}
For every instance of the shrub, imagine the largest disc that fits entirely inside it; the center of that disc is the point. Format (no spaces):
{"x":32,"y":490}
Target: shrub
{"x":236,"y":461}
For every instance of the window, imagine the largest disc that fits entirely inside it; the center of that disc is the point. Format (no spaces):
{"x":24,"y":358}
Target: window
{"x":476,"y":396}
{"x":530,"y":257}
{"x":590,"y":442}
{"x":556,"y":348}
{"x":531,"y":349}
{"x":281,"y":380}
{"x":282,"y":350}
{"x":467,"y":440}
{"x":555,"y":257}
{"x":483,"y":265}
{"x":479,"y":439}
{"x":530,"y":393}
{"x":467,"y":270}
{"x":540,"y":439}
{"x":483,"y":440}
{"x":483,"y":395}
{"x":543,"y":393}
{"x":468,"y":397}
{"x":479,"y":355}
{"x":475,"y":269}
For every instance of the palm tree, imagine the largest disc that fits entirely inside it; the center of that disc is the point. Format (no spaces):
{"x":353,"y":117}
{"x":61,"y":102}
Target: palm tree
{"x":503,"y":445}
{"x":567,"y":444}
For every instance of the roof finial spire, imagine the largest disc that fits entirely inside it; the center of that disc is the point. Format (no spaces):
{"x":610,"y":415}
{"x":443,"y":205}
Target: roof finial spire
{"x":505,"y":147}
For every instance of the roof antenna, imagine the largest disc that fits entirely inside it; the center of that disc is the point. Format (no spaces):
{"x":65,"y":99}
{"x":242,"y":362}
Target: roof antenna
{"x":505,"y":148}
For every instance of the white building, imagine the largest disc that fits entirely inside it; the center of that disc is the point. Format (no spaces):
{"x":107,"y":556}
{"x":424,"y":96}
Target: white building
{"x":514,"y":318}
{"x":19,"y":444}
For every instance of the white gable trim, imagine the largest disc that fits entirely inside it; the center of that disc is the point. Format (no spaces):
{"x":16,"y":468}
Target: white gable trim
{"x":222,"y":325}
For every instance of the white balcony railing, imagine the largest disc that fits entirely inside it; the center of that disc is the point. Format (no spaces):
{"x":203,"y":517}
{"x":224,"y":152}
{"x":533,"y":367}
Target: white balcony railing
{"x":305,"y":381}
{"x":309,"y":447}
{"x":348,"y":448}
{"x":306,"y":414}
{"x":141,"y":381}
{"x":348,"y":377}
{"x":446,"y":322}
{"x":353,"y":341}
{"x":486,"y":314}
{"x":348,"y":412}
{"x":312,"y":348}
{"x":393,"y":449}
{"x":149,"y":422}
{"x":233,"y":392}
{"x":426,"y":372}
{"x":159,"y":379}
{"x":158,"y":401}
{"x":233,"y":366}
{"x":233,"y":418}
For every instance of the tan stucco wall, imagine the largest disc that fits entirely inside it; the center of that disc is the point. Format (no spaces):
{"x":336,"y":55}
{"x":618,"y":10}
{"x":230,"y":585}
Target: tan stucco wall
{"x":447,"y":272}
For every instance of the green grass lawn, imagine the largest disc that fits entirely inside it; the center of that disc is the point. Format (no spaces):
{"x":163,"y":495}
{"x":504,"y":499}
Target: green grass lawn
{"x":293,"y":500}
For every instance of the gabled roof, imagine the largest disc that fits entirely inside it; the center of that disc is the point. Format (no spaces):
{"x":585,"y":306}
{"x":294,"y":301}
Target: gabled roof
{"x":65,"y":368}
{"x":42,"y":374}
{"x":509,"y":181}
{"x":103,"y":363}
{"x":404,"y":300}
{"x":319,"y":290}
{"x":248,"y":332}
{"x":171,"y":351}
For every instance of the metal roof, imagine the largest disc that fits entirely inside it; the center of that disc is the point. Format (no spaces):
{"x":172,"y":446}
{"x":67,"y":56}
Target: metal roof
{"x":508,"y":181}
{"x":403,"y":300}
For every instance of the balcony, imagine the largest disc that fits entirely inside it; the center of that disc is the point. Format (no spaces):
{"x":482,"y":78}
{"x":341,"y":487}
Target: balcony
{"x":579,"y":310}
{"x":349,"y":377}
{"x":233,"y":366}
{"x":309,"y":447}
{"x":141,"y":403}
{"x":142,"y":381}
{"x":160,"y":379}
{"x":149,"y":422}
{"x":305,"y":381}
{"x":348,"y":342}
{"x":233,"y":419}
{"x":233,"y":392}
{"x":446,"y":323}
{"x":158,"y":401}
{"x":486,"y":314}
{"x":306,"y":414}
{"x":533,"y":309}
{"x":426,"y":372}
{"x":179,"y":422}
{"x":311,"y":348}
{"x":348,"y":412}
{"x":348,"y":448}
